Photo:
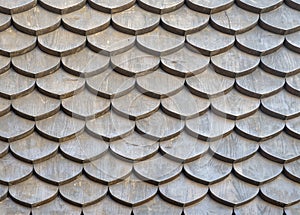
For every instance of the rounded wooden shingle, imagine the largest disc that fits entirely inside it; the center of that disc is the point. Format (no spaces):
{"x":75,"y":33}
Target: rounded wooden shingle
{"x":293,"y":3}
{"x":210,"y":41}
{"x":234,"y":20}
{"x":5,"y":106}
{"x":292,"y":41}
{"x":108,"y":169}
{"x":14,"y":42}
{"x":184,"y":21}
{"x":33,"y":148}
{"x":54,"y":169}
{"x":4,"y":64}
{"x":60,"y":127}
{"x":33,"y":21}
{"x":292,"y":170}
{"x":3,"y":192}
{"x":111,"y":6}
{"x":5,"y":21}
{"x":160,"y":7}
{"x":257,"y":169}
{"x":60,"y":84}
{"x":293,"y":127}
{"x":209,"y":6}
{"x":86,"y":21}
{"x":104,"y":43}
{"x":259,"y":6}
{"x":33,"y":192}
{"x":7,"y":206}
{"x":293,"y":209}
{"x":293,"y":84}
{"x":62,"y":7}
{"x":35,"y":63}
{"x":85,"y":63}
{"x":17,"y":6}
{"x":61,"y":42}
{"x":4,"y":147}
{"x":207,"y":169}
{"x":135,"y":21}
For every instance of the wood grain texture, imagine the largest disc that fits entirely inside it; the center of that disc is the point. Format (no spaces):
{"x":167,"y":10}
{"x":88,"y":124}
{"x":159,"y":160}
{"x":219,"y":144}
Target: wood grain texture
{"x":292,"y":170}
{"x":85,"y":63}
{"x":210,"y":41}
{"x":293,"y":127}
{"x":5,"y":21}
{"x":17,"y":6}
{"x":207,"y":169}
{"x":292,"y":42}
{"x":54,"y":169}
{"x":135,"y":21}
{"x":184,"y":62}
{"x":259,"y":7}
{"x":4,"y":64}
{"x":4,"y":148}
{"x":160,"y":7}
{"x":293,"y":3}
{"x":33,"y":21}
{"x":111,"y":6}
{"x":4,"y":106}
{"x":292,"y":209}
{"x":292,"y":84}
{"x":33,"y":192}
{"x":7,"y":206}
{"x":3,"y":191}
{"x":234,"y":20}
{"x":33,"y":148}
{"x":184,"y":21}
{"x":208,"y":6}
{"x":58,"y":6}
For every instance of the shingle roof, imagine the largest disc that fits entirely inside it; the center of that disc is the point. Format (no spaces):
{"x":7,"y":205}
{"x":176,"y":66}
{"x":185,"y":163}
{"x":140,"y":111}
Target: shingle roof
{"x":150,"y":107}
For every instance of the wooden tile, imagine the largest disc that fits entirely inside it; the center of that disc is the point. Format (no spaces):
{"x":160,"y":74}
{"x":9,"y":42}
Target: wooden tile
{"x":160,"y":42}
{"x":135,"y":105}
{"x":85,"y":63}
{"x":258,"y":206}
{"x":257,"y":169}
{"x":234,"y":105}
{"x":4,"y":148}
{"x":259,"y":7}
{"x":233,"y":191}
{"x":56,"y":207}
{"x":227,"y":63}
{"x":292,"y":84}
{"x":4,"y":64}
{"x":259,"y":126}
{"x":4,"y":106}
{"x":82,"y":191}
{"x":60,"y":84}
{"x":7,"y":206}
{"x":282,"y":63}
{"x":268,"y":42}
{"x":159,"y":84}
{"x":11,"y":7}
{"x":293,"y":3}
{"x":184,"y":148}
{"x":33,"y":148}
{"x":108,"y":169}
{"x":259,"y":84}
{"x":210,"y":41}
{"x":291,"y":41}
{"x":14,"y":85}
{"x":207,"y":169}
{"x":110,"y":126}
{"x":281,"y":191}
{"x":292,"y":170}
{"x":157,"y":169}
{"x":182,"y":191}
{"x":13,"y":127}
{"x":233,"y":148}
{"x":184,"y":63}
{"x":35,"y":106}
{"x":135,"y":21}
{"x":104,"y":43}
{"x":13,"y":171}
{"x":159,"y":126}
{"x":35,"y":63}
{"x":208,"y":6}
{"x":209,"y":126}
{"x":33,"y":192}
{"x":134,"y":147}
{"x":5,"y":21}
{"x":54,"y":169}
{"x":85,"y":105}
{"x":86,"y":21}
{"x":209,"y":84}
{"x":184,"y":21}
{"x":135,"y":62}
{"x":293,"y":209}
{"x":282,"y":105}
{"x":160,"y":7}
{"x":282,"y":148}
{"x":61,"y":42}
{"x":107,"y":206}
{"x":33,"y":21}
{"x":83,"y":148}
{"x":234,"y":20}
{"x":175,"y":105}
{"x":283,"y":20}
{"x":133,"y":191}
{"x":14,"y":42}
{"x":110,"y":84}
{"x":111,"y":6}
{"x":3,"y":191}
{"x":58,"y":6}
{"x":60,"y":127}
{"x":293,"y":127}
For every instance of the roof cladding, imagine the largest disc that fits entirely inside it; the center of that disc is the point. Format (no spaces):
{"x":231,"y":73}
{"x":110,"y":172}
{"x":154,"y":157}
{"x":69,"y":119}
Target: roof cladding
{"x":150,"y":107}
